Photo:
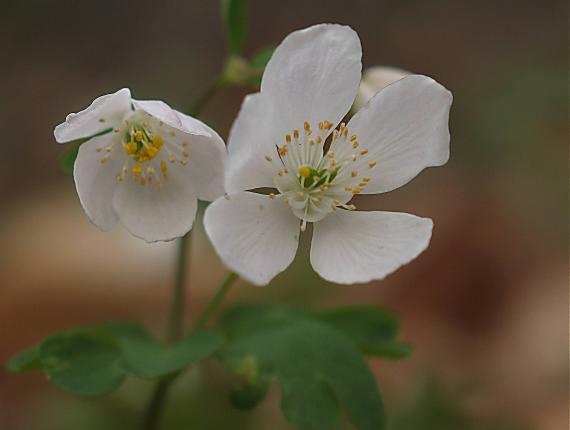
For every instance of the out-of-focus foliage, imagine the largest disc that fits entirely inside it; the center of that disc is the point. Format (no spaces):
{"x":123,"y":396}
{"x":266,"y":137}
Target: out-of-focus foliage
{"x":436,"y":409}
{"x":236,"y":20}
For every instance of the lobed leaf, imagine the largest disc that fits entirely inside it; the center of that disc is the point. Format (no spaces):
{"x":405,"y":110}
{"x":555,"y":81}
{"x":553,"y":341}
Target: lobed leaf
{"x":374,"y":330}
{"x":311,"y":360}
{"x":94,"y":360}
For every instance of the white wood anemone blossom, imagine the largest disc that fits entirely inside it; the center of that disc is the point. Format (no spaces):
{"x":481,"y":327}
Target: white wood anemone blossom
{"x":144,"y":165}
{"x":280,"y":140}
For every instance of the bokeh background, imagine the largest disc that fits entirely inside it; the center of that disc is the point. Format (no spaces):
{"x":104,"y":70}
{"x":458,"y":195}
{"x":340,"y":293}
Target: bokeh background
{"x":485,"y":307}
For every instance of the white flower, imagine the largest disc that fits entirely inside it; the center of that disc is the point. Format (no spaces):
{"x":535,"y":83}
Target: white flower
{"x":373,"y":80}
{"x":278,"y":141}
{"x":148,"y":169}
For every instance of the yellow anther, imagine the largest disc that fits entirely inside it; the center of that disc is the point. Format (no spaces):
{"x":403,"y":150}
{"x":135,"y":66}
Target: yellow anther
{"x":353,"y":138}
{"x":137,"y":170}
{"x":271,"y":196}
{"x":172,"y":158}
{"x":345,"y":132}
{"x":280,"y":173}
{"x":172,"y":133}
{"x":184,"y":144}
{"x":348,"y":189}
{"x":269,"y":158}
{"x":184,"y":162}
{"x":342,"y":126}
{"x":138,"y":135}
{"x":163,"y":167}
{"x":319,"y":140}
{"x":286,"y":200}
{"x":99,"y":149}
{"x":282,"y":150}
{"x":288,"y":138}
{"x":336,"y":202}
{"x":356,"y":191}
{"x":101,"y":119}
{"x":353,"y":157}
{"x":116,"y":130}
{"x":372,"y":165}
{"x":305,"y":171}
{"x":354,"y":174}
{"x":104,"y":159}
{"x":333,"y":207}
{"x":335,"y":135}
{"x":307,"y":126}
{"x":131,"y":147}
{"x":351,"y":207}
{"x":356,"y":144}
{"x":108,"y":149}
{"x":296,"y":134}
{"x":312,"y":142}
{"x":366,"y":179}
{"x":161,"y":123}
{"x":119,"y":178}
{"x":321,"y":125}
{"x":185,"y":153}
{"x":151,"y":151}
{"x":328,"y":125}
{"x":364,"y":151}
{"x":331,"y":154}
{"x":157,"y":141}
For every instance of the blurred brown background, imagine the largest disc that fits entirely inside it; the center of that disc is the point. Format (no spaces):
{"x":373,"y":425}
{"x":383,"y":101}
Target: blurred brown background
{"x":485,"y":307}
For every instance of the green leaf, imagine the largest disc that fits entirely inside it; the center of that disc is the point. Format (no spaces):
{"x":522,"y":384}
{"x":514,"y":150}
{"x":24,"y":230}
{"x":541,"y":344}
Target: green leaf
{"x":309,"y":404}
{"x":295,"y":346}
{"x":82,"y":362}
{"x":374,"y":330}
{"x":236,"y":21}
{"x":248,"y":394}
{"x":67,"y":161}
{"x":25,"y":361}
{"x":146,"y":358}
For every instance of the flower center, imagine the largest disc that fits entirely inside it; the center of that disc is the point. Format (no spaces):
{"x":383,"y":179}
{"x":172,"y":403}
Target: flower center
{"x":147,"y":154}
{"x":314,"y":183}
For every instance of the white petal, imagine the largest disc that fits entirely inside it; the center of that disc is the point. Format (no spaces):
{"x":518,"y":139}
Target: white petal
{"x":357,"y":247}
{"x":105,"y":112}
{"x":251,"y":140}
{"x":373,"y":80}
{"x":312,"y":76}
{"x":154,"y":214}
{"x":205,"y":169}
{"x":255,"y":236}
{"x":405,"y":129}
{"x":96,"y":182}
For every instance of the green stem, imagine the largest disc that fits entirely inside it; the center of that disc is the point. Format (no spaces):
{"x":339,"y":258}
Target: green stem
{"x":155,"y":406}
{"x":217,"y":299}
{"x":175,"y":324}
